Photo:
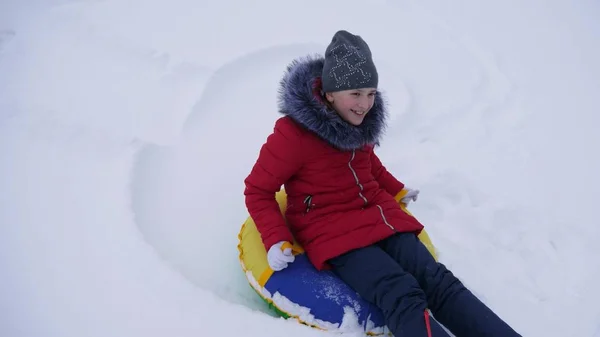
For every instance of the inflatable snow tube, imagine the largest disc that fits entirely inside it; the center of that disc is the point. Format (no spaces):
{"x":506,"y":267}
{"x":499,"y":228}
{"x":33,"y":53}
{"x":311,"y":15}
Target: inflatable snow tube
{"x":316,"y":298}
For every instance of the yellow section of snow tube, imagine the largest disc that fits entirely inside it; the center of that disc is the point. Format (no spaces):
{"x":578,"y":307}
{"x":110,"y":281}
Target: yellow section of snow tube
{"x":253,"y":254}
{"x":423,"y":236}
{"x":253,"y":259}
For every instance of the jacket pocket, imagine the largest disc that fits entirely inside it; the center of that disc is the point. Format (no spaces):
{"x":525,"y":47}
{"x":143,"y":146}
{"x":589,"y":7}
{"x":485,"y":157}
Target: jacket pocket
{"x":308,"y":203}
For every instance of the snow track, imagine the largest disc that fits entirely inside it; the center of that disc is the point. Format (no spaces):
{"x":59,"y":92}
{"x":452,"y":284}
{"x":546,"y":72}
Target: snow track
{"x":127,"y":127}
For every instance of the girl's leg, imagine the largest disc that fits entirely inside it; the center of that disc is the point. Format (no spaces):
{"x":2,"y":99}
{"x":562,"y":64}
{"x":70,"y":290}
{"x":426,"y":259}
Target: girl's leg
{"x":374,"y":275}
{"x":449,"y":300}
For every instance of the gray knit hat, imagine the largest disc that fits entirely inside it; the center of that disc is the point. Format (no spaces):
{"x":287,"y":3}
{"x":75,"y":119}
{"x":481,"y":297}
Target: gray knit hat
{"x":348,"y":64}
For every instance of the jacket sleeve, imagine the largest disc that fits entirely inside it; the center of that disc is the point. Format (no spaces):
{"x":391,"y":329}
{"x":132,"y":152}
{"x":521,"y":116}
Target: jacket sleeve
{"x":279,"y":158}
{"x":385,"y":179}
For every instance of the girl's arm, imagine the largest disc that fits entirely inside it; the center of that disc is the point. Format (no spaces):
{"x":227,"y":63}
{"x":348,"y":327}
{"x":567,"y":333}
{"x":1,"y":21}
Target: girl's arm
{"x":279,"y":158}
{"x":385,"y":179}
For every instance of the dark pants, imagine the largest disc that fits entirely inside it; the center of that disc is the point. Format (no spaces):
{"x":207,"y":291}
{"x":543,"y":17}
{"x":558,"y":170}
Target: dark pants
{"x":400,"y":276}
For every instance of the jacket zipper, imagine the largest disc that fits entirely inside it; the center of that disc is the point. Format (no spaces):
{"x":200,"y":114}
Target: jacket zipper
{"x":360,"y":186}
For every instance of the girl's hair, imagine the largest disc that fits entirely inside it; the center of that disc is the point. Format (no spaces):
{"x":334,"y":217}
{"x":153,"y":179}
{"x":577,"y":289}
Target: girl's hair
{"x":326,"y":102}
{"x":320,"y":94}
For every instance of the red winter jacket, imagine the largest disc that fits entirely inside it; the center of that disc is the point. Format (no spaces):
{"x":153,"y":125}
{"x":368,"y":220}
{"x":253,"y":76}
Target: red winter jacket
{"x":340,"y":196}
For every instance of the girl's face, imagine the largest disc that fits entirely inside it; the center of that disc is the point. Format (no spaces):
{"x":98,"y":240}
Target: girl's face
{"x":352,"y":105}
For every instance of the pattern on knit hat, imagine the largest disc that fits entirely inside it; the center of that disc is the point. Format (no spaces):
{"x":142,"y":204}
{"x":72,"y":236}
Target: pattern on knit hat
{"x":348,"y":62}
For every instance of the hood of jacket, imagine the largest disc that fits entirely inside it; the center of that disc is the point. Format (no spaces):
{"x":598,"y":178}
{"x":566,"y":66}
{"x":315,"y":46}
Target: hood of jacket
{"x":299,"y":99}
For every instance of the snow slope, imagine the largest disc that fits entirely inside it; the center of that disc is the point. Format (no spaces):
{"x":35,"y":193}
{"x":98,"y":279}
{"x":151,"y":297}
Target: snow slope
{"x":127,"y":127}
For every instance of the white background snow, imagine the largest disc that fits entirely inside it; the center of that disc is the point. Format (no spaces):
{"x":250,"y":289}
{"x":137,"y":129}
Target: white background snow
{"x":128,"y":126}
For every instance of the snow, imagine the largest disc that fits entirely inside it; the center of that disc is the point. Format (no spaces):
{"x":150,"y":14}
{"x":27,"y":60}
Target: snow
{"x":127,"y":127}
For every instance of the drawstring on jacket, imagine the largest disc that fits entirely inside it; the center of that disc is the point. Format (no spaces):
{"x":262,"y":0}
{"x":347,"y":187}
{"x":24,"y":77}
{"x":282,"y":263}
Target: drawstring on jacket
{"x":427,"y":324}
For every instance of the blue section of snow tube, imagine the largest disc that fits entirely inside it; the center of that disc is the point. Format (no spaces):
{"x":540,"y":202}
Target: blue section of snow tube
{"x":322,"y":292}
